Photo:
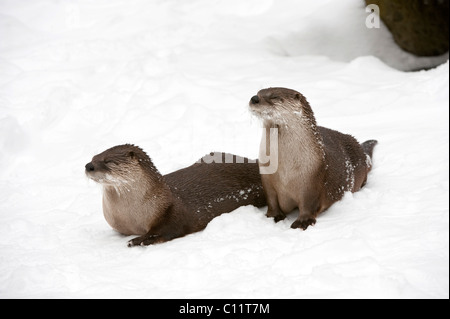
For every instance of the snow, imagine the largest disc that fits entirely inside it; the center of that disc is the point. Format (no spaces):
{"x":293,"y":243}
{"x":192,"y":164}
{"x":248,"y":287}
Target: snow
{"x":175,"y":78}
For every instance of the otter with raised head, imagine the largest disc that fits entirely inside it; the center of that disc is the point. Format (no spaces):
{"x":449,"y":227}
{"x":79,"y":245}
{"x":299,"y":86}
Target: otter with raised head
{"x":138,"y":200}
{"x":316,"y":165}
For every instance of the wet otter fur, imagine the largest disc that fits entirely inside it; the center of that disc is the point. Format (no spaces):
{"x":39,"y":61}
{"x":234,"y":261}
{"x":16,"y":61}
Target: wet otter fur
{"x":316,"y":165}
{"x":138,"y":200}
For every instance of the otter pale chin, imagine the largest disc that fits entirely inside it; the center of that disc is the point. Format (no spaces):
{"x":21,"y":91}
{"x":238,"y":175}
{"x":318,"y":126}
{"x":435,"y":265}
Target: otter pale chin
{"x":316,"y":165}
{"x":138,"y":200}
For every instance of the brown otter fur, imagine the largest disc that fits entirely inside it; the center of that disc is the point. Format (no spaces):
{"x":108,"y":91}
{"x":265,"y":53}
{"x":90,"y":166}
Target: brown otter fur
{"x":138,"y":200}
{"x":316,"y":165}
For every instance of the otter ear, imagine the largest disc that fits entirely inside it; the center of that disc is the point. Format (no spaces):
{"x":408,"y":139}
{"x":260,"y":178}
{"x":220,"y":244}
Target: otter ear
{"x":131,"y":154}
{"x":297,"y":96}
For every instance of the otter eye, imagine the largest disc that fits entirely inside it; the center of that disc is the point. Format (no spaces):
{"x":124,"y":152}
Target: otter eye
{"x":131,"y":154}
{"x":276,"y":98}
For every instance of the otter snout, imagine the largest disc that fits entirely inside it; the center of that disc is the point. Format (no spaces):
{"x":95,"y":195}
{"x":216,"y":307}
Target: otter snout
{"x":254,"y":99}
{"x":95,"y":172}
{"x":90,"y":167}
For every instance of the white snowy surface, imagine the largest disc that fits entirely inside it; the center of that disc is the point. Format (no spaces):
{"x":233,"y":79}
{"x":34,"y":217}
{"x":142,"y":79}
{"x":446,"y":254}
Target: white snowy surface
{"x":175,"y":77}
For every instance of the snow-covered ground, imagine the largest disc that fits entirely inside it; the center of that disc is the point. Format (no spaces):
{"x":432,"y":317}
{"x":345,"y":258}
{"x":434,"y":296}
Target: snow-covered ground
{"x":175,"y":77}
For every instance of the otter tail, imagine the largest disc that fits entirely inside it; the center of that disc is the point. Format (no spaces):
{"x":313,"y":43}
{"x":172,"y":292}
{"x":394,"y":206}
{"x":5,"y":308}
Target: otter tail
{"x":368,"y":147}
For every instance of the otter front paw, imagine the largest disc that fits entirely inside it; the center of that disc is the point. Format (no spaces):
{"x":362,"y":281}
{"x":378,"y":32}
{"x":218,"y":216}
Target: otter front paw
{"x":143,"y":240}
{"x":304,"y":223}
{"x":277,"y":215}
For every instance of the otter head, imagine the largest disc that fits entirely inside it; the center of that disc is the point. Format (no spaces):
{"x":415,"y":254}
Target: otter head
{"x":280,"y":105}
{"x":121,"y":165}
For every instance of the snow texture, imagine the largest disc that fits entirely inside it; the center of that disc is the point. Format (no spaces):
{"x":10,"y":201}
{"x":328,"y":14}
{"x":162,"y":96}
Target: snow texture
{"x":175,"y":78}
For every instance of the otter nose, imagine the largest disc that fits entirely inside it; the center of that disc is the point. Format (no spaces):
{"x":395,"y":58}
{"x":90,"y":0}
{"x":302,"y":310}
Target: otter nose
{"x":255,"y":99}
{"x":90,"y":167}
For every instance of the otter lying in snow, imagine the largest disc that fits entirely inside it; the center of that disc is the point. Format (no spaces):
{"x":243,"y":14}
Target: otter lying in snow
{"x":138,"y":200}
